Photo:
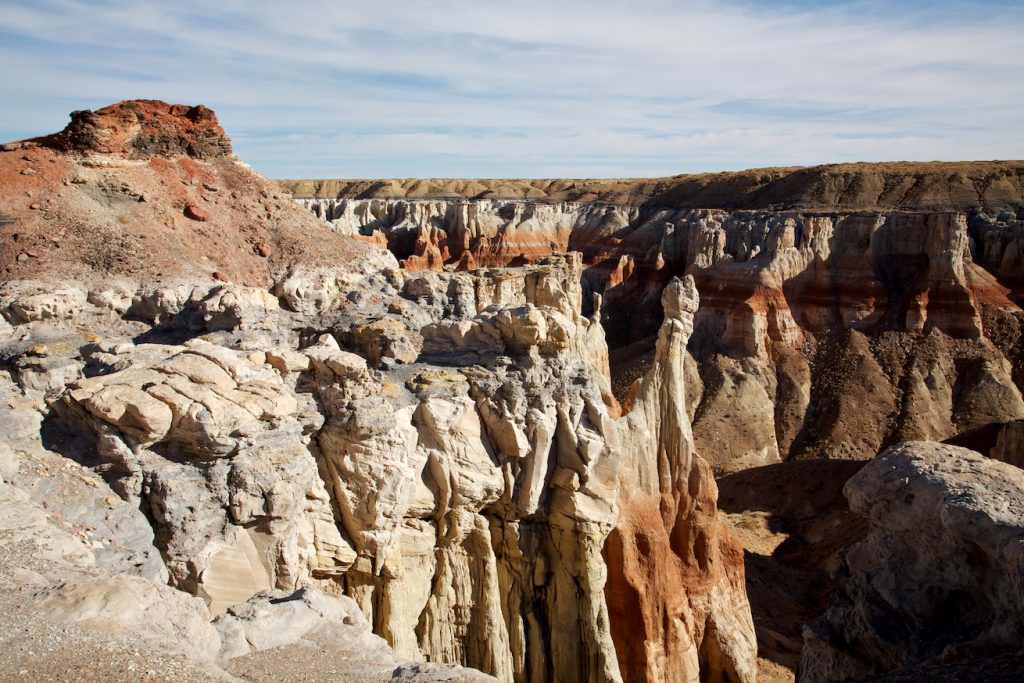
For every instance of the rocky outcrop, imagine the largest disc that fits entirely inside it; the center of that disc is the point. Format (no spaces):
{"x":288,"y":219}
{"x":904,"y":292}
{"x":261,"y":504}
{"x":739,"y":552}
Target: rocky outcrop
{"x":478,"y":497}
{"x":187,"y":433}
{"x":164,"y":427}
{"x":151,"y":192}
{"x":60,"y":604}
{"x":453,"y":465}
{"x":432,"y":233}
{"x":141,"y":129}
{"x":938,"y":575}
{"x":234,"y":409}
{"x":255,"y":633}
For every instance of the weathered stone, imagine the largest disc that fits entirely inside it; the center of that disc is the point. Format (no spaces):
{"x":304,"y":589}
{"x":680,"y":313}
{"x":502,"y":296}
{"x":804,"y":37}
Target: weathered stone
{"x":676,"y":602}
{"x":196,"y":213}
{"x":937,"y":574}
{"x":272,"y":620}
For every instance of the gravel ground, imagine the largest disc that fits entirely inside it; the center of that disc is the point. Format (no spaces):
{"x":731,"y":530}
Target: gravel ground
{"x":33,"y":648}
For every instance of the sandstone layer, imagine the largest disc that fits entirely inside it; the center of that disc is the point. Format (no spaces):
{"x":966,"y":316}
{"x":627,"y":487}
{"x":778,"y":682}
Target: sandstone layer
{"x":863,"y":186}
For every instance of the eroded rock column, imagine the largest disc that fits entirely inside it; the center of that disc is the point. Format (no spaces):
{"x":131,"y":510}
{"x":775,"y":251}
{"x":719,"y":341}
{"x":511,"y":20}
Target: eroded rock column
{"x":675,"y":590}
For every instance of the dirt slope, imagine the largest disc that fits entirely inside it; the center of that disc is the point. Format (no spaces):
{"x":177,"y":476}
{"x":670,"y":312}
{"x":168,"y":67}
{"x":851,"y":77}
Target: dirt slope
{"x":148,"y":189}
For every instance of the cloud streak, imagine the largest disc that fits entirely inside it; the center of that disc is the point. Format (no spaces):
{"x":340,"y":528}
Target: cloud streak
{"x":581,"y":89}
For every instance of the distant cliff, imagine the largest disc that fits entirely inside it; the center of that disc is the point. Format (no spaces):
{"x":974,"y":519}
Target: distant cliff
{"x":847,"y":187}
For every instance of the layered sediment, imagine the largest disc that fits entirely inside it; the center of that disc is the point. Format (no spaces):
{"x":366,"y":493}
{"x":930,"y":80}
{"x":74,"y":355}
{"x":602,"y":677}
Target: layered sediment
{"x":391,"y":434}
{"x":835,"y":319}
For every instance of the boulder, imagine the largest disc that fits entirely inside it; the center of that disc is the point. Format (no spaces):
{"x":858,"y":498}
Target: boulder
{"x":939,"y":574}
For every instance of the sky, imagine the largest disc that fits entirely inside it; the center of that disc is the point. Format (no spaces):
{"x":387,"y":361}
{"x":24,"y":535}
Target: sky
{"x":529,"y":88}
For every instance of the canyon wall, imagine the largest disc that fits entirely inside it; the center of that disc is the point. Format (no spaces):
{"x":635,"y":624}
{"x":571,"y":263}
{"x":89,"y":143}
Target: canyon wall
{"x":234,"y":424}
{"x":825,"y":330}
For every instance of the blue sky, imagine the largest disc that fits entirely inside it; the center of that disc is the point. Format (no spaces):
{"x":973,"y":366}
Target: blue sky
{"x":536,"y":89}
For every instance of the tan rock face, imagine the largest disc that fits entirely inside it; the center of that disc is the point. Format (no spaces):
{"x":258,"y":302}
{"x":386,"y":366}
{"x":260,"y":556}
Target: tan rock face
{"x":79,"y":616}
{"x":479,"y":492}
{"x":478,"y":499}
{"x":212,"y":432}
{"x":131,"y":605}
{"x":256,"y":634}
{"x":455,"y":470}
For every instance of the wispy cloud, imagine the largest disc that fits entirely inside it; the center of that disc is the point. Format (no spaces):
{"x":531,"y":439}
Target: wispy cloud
{"x":536,"y":88}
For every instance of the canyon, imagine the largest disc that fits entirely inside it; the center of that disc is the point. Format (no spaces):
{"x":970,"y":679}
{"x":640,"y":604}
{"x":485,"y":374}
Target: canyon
{"x":843,"y":308}
{"x":674,"y":429}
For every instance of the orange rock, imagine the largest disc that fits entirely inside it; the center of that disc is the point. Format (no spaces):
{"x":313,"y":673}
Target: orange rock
{"x":196,"y":213}
{"x":431,"y":250}
{"x":376,"y":238}
{"x":141,"y":129}
{"x":623,"y":270}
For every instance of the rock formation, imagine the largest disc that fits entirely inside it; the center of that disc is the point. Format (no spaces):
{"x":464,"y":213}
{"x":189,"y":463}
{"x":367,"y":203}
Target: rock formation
{"x":938,"y":575}
{"x":669,"y":554}
{"x":896,"y":185}
{"x":239,"y":431}
{"x":107,"y":197}
{"x":833,"y":326}
{"x":292,"y":434}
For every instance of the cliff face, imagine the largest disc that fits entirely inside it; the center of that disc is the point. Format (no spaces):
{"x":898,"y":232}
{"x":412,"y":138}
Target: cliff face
{"x":820,"y":333}
{"x":294,"y":436}
{"x":669,"y":553}
{"x":264,"y":430}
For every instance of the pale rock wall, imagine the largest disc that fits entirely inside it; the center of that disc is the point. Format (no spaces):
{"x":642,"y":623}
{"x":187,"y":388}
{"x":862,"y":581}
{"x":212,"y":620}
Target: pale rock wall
{"x":478,"y":499}
{"x":189,"y":433}
{"x":441,"y":447}
{"x":784,"y":296}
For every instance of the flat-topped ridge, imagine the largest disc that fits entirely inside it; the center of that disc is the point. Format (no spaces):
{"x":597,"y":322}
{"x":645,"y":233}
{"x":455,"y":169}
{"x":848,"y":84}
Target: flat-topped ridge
{"x":919,"y":186}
